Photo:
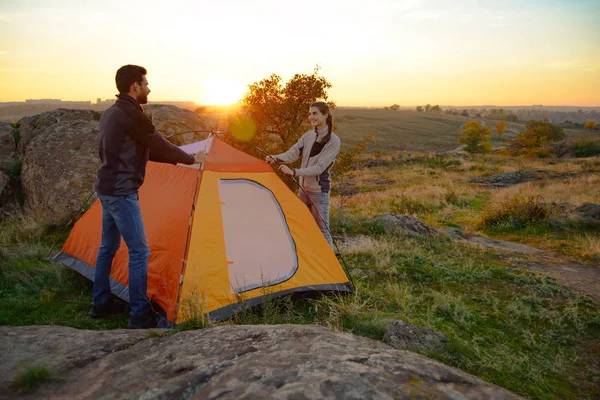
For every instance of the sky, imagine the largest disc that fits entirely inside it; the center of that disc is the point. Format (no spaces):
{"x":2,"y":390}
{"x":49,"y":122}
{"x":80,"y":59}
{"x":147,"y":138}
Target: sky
{"x":374,"y":53}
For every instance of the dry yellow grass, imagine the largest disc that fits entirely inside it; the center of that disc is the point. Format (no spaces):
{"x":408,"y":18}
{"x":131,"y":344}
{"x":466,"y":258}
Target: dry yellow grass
{"x":575,"y":190}
{"x":588,"y":247}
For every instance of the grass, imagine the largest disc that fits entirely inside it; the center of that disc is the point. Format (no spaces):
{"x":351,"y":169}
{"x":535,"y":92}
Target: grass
{"x":516,"y":329}
{"x":37,"y":291}
{"x":28,"y":380}
{"x":417,"y":132}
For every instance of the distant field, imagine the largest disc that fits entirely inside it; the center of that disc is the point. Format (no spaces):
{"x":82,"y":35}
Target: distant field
{"x":418,"y":132}
{"x":394,"y":130}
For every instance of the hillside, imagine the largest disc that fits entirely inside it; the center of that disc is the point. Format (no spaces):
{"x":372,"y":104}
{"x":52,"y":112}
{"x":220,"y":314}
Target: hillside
{"x":418,"y":132}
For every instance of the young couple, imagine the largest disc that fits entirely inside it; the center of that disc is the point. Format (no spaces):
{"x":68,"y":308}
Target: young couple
{"x":128,"y":139}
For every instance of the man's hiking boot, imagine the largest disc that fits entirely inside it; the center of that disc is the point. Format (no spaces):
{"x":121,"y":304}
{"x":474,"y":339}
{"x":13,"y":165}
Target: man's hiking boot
{"x":144,"y":321}
{"x":104,"y":310}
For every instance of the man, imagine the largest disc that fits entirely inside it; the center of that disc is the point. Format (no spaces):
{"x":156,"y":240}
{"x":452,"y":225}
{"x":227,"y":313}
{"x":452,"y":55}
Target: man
{"x":127,"y":141}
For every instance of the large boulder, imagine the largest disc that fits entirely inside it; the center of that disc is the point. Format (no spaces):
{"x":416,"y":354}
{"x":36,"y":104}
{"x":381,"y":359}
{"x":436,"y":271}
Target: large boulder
{"x":172,"y":122}
{"x":7,"y":142}
{"x":59,"y":168}
{"x":32,"y":126}
{"x":401,"y":223}
{"x":228,"y":362}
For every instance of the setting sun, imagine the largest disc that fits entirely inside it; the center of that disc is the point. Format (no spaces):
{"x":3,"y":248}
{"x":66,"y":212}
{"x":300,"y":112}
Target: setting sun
{"x":221,"y":91}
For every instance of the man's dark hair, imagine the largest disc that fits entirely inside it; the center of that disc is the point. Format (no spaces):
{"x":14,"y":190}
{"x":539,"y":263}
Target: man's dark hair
{"x":127,"y":75}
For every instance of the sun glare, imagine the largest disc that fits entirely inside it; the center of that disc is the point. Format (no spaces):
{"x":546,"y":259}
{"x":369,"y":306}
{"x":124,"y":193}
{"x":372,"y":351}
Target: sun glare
{"x":221,"y":91}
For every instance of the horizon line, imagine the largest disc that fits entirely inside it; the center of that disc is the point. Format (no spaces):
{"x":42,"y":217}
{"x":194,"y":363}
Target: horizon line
{"x":337,"y":105}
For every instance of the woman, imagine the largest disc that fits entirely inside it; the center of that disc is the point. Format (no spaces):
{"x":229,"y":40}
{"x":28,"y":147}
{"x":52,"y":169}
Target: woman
{"x":318,"y":147}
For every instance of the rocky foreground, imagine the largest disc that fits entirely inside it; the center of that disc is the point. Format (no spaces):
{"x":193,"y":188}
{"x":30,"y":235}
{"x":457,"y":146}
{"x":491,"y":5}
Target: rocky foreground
{"x":227,"y":362}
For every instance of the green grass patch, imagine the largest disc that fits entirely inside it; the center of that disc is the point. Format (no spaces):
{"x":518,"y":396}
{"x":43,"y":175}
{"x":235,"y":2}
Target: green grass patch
{"x":345,"y":223}
{"x":28,"y":380}
{"x":16,"y":133}
{"x":13,"y":167}
{"x":510,"y":327}
{"x":583,"y":147}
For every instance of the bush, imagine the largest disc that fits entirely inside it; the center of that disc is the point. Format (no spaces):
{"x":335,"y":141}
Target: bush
{"x":538,"y":135}
{"x":590,"y":125}
{"x":476,"y":137}
{"x":583,"y":147}
{"x":517,"y":213}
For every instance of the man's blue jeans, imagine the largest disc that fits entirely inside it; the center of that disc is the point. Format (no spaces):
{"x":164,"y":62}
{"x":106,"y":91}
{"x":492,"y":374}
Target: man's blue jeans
{"x":121,"y":215}
{"x":318,"y":203}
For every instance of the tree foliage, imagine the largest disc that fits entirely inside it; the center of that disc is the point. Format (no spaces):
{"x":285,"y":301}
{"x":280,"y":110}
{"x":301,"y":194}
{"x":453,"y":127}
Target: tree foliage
{"x":500,"y":127}
{"x":590,"y":125}
{"x":536,"y":138}
{"x":279,"y":111}
{"x":476,"y":137}
{"x":276,"y":115}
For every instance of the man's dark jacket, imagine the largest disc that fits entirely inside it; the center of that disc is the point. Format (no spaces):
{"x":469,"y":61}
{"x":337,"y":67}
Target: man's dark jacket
{"x":127,"y":141}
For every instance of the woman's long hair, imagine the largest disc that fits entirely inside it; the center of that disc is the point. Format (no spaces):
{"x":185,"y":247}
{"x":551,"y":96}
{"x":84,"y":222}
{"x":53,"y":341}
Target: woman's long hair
{"x":324,"y":109}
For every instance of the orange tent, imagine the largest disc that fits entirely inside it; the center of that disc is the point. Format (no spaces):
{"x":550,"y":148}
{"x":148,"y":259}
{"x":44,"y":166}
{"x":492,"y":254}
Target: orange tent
{"x":222,"y":235}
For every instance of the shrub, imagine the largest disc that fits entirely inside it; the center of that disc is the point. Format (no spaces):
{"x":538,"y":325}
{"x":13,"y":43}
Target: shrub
{"x":517,"y":213}
{"x":538,"y":135}
{"x":583,"y":147}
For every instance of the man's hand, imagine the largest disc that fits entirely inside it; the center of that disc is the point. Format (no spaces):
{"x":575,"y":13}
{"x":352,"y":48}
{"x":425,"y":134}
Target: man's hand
{"x":271,"y":160}
{"x":200,"y":157}
{"x":286,"y":170}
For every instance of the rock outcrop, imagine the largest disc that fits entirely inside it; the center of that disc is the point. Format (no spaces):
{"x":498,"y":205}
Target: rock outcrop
{"x":507,"y":178}
{"x":172,"y":122}
{"x":228,"y":362}
{"x":59,"y":168}
{"x":401,"y":223}
{"x":30,"y":127}
{"x":588,"y":211}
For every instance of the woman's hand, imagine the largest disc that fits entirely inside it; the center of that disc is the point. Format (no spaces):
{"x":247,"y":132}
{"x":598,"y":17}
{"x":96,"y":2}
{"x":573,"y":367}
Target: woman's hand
{"x":287,"y":170}
{"x":271,"y":160}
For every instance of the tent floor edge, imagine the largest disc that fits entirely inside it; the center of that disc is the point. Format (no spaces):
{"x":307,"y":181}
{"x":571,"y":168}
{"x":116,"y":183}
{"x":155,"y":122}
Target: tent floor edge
{"x":229,"y":311}
{"x":117,"y":288}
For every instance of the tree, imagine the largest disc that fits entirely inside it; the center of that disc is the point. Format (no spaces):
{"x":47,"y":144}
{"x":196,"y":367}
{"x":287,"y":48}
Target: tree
{"x":436,"y":109}
{"x":464,"y":113}
{"x":538,"y":135}
{"x":395,"y":107}
{"x":500,"y":127}
{"x":590,"y":125}
{"x":276,"y":116}
{"x":476,"y":137}
{"x":427,"y":107}
{"x":279,"y":111}
{"x":419,"y":108}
